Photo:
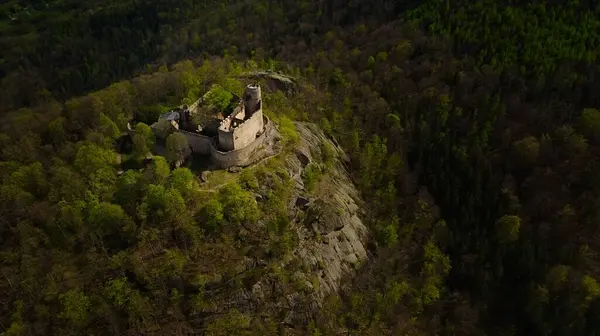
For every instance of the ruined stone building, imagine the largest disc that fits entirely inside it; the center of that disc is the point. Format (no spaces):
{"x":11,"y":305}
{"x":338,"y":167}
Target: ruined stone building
{"x":228,"y":138}
{"x":245,"y":123}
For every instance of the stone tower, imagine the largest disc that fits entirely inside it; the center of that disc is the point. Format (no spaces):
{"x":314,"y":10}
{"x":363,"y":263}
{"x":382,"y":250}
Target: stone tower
{"x":252,"y":99}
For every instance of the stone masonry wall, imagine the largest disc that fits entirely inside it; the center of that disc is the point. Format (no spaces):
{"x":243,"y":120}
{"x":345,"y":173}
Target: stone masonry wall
{"x":225,"y":140}
{"x":240,"y":156}
{"x":200,"y":143}
{"x":246,"y":132}
{"x":242,"y":135}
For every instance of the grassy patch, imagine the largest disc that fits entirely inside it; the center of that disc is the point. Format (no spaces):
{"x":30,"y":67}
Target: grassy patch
{"x":311,"y":177}
{"x":218,"y":178}
{"x":328,"y":155}
{"x":248,"y":180}
{"x":288,"y":130}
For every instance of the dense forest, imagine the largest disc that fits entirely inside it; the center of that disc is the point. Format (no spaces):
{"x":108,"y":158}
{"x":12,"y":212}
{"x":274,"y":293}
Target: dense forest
{"x":472,"y":127}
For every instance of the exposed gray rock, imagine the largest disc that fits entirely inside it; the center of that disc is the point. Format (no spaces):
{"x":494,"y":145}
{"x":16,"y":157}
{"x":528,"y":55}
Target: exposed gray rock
{"x":204,"y":176}
{"x":351,"y":258}
{"x":303,"y":158}
{"x":302,"y":202}
{"x":331,"y":238}
{"x":234,"y":169}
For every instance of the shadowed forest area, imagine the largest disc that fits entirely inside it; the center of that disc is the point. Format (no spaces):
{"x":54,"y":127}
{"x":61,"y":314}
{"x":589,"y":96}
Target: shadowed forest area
{"x":472,"y":127}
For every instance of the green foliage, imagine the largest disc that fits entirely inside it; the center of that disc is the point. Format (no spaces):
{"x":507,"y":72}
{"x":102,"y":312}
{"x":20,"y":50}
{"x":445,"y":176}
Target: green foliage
{"x":526,"y":150}
{"x":158,"y":171}
{"x":328,"y":154}
{"x":218,"y":98}
{"x":395,"y":291}
{"x":91,"y":158}
{"x":239,"y":205}
{"x":118,"y":291}
{"x":288,"y":130}
{"x":30,"y":178}
{"x":311,"y":176}
{"x":326,"y":126}
{"x":16,"y":327}
{"x":106,"y":218}
{"x":102,"y":182}
{"x":371,"y":62}
{"x":143,"y":140}
{"x":183,"y":180}
{"x":435,"y":267}
{"x":232,"y":323}
{"x":557,"y":276}
{"x":177,"y":147}
{"x":372,"y":160}
{"x":174,"y":262}
{"x":150,"y":114}
{"x":108,"y":128}
{"x":128,"y":190}
{"x":57,"y":130}
{"x":76,"y":308}
{"x":248,"y":180}
{"x":551,"y":34}
{"x":589,"y":123}
{"x":591,"y":288}
{"x":212,"y":215}
{"x":387,"y":233}
{"x":161,"y":205}
{"x":508,"y":229}
{"x":460,"y":109}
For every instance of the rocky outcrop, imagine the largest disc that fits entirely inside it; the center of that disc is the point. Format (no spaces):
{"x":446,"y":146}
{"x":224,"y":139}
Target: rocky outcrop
{"x":331,"y":213}
{"x":329,"y":237}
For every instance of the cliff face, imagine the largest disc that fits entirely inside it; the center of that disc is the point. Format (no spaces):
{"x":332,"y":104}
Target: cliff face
{"x":329,"y":236}
{"x":331,"y":212}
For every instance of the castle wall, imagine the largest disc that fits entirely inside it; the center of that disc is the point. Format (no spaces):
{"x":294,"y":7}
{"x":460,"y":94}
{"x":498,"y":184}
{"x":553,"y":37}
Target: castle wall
{"x":239,"y":112}
{"x":246,"y":132}
{"x":225,"y":140}
{"x":200,"y":143}
{"x":242,"y":135}
{"x":238,"y":157}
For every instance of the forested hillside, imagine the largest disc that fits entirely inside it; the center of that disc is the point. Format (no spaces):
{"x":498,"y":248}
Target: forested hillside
{"x":473,"y":130}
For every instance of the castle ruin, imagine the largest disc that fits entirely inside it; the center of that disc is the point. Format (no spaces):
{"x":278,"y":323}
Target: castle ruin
{"x":230,"y":139}
{"x":245,"y":124}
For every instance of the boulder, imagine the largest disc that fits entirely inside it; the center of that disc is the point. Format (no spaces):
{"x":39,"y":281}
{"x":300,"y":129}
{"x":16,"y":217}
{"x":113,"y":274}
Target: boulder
{"x":302,"y":202}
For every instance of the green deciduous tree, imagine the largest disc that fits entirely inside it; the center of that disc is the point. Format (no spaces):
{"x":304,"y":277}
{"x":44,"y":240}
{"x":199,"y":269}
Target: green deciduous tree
{"x":526,"y":151}
{"x":161,"y":206}
{"x":118,"y":291}
{"x":183,"y":181}
{"x":239,"y":205}
{"x":107,"y":219}
{"x":589,"y":123}
{"x":76,"y":308}
{"x":91,"y":158}
{"x":129,"y":190}
{"x":178,"y":148}
{"x":507,"y":229}
{"x":212,"y":215}
{"x":108,"y":128}
{"x":143,"y":141}
{"x":158,"y":171}
{"x":218,"y":97}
